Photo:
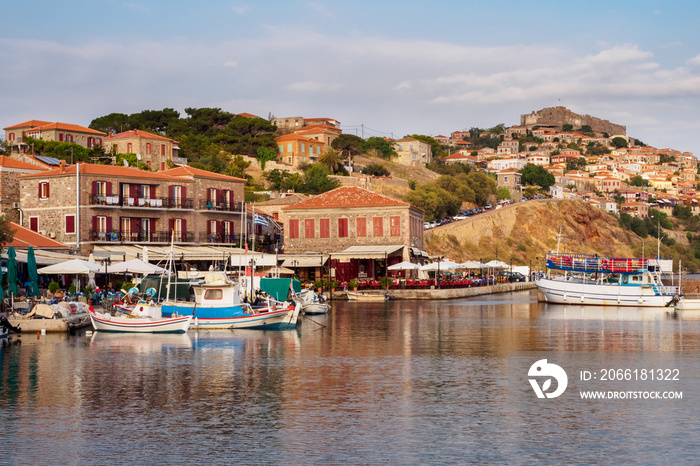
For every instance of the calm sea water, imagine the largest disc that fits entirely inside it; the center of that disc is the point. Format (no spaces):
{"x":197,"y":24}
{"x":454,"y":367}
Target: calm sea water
{"x":402,"y":382}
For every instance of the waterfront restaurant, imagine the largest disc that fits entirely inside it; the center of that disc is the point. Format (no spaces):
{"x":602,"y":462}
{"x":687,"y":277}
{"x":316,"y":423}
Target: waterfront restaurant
{"x":362,"y":231}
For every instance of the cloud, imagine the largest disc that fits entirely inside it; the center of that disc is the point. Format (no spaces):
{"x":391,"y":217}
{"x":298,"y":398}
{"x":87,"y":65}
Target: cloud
{"x":241,"y":9}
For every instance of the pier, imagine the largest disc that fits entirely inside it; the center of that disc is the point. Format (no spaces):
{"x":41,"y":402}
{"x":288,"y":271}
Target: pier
{"x":446,"y":293}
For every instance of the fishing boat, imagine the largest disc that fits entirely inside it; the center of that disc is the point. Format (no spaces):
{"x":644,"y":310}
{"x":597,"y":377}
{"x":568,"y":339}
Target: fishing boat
{"x":313,"y":303}
{"x":607,"y":281}
{"x":139,"y":323}
{"x":372,"y":297}
{"x":218,"y":305}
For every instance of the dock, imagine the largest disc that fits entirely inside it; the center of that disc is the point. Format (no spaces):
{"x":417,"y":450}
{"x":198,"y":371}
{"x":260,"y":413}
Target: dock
{"x":446,"y":293}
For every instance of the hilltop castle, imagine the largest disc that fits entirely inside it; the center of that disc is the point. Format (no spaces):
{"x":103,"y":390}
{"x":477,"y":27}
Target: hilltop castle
{"x":555,"y":117}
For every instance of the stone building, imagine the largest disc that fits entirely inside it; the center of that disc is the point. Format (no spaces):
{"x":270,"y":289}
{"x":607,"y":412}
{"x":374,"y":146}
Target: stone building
{"x":154,"y":150}
{"x":295,"y":149}
{"x":556,"y":117}
{"x":412,"y":152}
{"x":123,"y":205}
{"x":10,"y":169}
{"x":16,"y":135}
{"x":362,"y":230}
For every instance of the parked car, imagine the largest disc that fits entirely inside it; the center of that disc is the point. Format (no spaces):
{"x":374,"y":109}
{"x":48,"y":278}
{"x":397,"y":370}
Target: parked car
{"x":514,"y":276}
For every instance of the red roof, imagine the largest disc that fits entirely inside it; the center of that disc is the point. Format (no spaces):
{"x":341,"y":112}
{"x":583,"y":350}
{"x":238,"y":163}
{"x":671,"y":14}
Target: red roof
{"x":247,"y":115}
{"x":24,"y":237}
{"x":137,"y":133}
{"x":30,"y":124}
{"x":191,"y":171}
{"x":70,"y":127}
{"x":348,"y":196}
{"x":14,"y":163}
{"x":104,"y":170}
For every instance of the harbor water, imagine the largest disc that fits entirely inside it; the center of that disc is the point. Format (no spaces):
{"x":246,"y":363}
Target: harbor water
{"x":400,"y":382}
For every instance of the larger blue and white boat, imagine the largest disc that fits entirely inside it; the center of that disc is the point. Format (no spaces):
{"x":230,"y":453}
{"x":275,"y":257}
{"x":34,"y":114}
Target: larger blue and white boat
{"x":607,"y":281}
{"x":218,"y":305}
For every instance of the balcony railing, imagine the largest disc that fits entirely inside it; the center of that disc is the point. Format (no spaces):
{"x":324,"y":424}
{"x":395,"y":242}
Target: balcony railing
{"x":140,"y":237}
{"x":142,"y":202}
{"x":221,"y":206}
{"x":220,"y":238}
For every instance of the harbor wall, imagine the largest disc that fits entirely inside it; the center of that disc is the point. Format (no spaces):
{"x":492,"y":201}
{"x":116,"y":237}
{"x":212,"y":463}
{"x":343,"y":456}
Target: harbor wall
{"x":450,"y":293}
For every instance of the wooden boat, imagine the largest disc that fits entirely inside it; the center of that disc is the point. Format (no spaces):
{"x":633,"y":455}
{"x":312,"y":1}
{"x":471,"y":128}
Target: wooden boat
{"x":355,"y":296}
{"x":313,"y":303}
{"x":218,"y":305}
{"x":139,"y":324}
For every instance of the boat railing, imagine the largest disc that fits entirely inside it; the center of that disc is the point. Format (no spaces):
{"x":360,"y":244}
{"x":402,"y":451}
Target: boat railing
{"x":592,"y":264}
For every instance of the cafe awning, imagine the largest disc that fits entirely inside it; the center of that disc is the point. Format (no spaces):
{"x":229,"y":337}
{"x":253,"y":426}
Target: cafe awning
{"x":367,"y":252}
{"x":294,"y":261}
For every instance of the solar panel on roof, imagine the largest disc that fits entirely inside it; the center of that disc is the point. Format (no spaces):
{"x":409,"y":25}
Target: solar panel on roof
{"x":48,"y":160}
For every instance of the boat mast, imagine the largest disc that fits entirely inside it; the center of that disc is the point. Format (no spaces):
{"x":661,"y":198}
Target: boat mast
{"x":559,"y":236}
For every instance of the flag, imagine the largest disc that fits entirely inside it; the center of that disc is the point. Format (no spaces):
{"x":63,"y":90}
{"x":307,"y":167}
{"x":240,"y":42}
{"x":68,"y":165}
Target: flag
{"x":246,"y":248}
{"x":260,"y":220}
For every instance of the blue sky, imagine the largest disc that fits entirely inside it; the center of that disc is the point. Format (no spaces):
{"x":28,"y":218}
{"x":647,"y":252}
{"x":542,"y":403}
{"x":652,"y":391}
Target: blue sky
{"x":396,"y":67}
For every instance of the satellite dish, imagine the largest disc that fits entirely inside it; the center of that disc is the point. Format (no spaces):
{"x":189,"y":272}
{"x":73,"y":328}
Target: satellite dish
{"x":126,"y":163}
{"x":138,"y":156}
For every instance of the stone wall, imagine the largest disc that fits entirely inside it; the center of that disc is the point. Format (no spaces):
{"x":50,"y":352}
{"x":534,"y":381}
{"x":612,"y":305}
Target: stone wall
{"x":558,"y":116}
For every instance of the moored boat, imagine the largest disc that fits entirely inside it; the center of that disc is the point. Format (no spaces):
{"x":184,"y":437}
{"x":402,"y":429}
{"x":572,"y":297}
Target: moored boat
{"x":313,"y":303}
{"x":608,"y":281}
{"x":355,"y":296}
{"x":139,"y":324}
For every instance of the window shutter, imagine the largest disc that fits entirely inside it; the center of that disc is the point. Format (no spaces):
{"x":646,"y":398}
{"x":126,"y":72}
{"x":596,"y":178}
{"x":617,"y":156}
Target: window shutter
{"x":109,"y":224}
{"x":184,"y":196}
{"x":94,"y":223}
{"x":184,"y":228}
{"x":47,"y":190}
{"x":208,"y":227}
{"x":132,"y":190}
{"x":171,"y":226}
{"x":153,"y":192}
{"x":39,"y":197}
{"x":109,"y":188}
{"x":94,"y":187}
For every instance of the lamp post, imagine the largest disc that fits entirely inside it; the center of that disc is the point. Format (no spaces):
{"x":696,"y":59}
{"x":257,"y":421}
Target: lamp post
{"x":438,"y":271}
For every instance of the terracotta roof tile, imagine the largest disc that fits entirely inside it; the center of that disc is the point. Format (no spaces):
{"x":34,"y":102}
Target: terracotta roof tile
{"x":70,"y":127}
{"x":105,"y":170}
{"x":29,"y":124}
{"x":191,"y":171}
{"x":24,"y":237}
{"x":348,"y":196}
{"x":137,"y":133}
{"x":14,"y":163}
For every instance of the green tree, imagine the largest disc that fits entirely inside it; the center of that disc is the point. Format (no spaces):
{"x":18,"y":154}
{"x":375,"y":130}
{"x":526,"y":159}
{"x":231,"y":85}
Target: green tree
{"x":379,"y":147}
{"x":619,"y":142}
{"x":348,"y":145}
{"x":331,"y":159}
{"x":458,"y":185}
{"x":483,"y":186}
{"x":503,"y":193}
{"x":317,"y":181}
{"x":236,"y":167}
{"x":266,"y":154}
{"x":435,"y":201}
{"x":638,"y":181}
{"x":376,"y":170}
{"x":537,"y":175}
{"x":566,"y":127}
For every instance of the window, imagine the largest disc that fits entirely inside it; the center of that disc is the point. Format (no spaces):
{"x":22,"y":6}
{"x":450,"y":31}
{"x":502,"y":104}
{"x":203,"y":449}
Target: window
{"x":342,"y":228}
{"x":361,"y":224}
{"x":60,"y":137}
{"x":281,"y":148}
{"x":44,"y":190}
{"x":70,"y":224}
{"x":289,"y":147}
{"x":128,"y":148}
{"x":162,"y":150}
{"x":34,"y":223}
{"x":162,"y":166}
{"x":294,"y":228}
{"x":309,"y":228}
{"x":325,"y":228}
{"x":148,"y":148}
{"x":303,"y":148}
{"x":214,"y":294}
{"x":378,"y":223}
{"x":395,"y":226}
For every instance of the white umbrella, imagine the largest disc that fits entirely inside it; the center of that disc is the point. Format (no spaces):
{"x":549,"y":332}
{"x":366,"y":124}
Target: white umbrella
{"x":494,"y":264}
{"x":71,"y":267}
{"x":471,"y":265}
{"x":446,"y":265}
{"x":136,"y":266}
{"x":91,"y":275}
{"x":405,"y":265}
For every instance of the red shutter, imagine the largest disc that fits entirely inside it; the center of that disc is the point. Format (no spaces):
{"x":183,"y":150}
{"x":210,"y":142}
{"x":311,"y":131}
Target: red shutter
{"x":94,"y":187}
{"x":47,"y":190}
{"x":184,"y":196}
{"x":109,"y":224}
{"x":39,"y":197}
{"x":208,"y":196}
{"x":153,"y":192}
{"x":94,"y":223}
{"x":184,"y":229}
{"x":132,"y":190}
{"x":171,"y":226}
{"x":135,"y":225}
{"x":208,"y":227}
{"x":109,"y":188}
{"x":70,"y":224}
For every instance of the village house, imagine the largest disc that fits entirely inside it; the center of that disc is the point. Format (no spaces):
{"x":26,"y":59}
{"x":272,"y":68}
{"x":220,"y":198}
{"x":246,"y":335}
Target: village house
{"x":124,"y":205}
{"x":156,"y":151}
{"x":362,"y":230}
{"x":322,"y":133}
{"x":15,"y":135}
{"x":510,"y":179}
{"x":412,"y":152}
{"x":295,"y":149}
{"x":636,"y":209}
{"x":10,"y":169}
{"x":498,"y":165}
{"x":461,"y":158}
{"x":537,"y":159}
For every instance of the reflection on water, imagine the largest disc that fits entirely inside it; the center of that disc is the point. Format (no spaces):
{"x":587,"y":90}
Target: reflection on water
{"x":400,"y":382}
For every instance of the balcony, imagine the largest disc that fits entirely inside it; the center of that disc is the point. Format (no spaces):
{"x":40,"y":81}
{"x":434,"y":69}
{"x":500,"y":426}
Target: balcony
{"x":139,"y":237}
{"x":141,"y":202}
{"x":221,"y":206}
{"x":220,"y":238}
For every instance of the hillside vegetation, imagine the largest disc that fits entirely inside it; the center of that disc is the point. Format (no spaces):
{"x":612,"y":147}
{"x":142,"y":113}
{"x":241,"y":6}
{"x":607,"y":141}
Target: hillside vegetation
{"x":525,"y":231}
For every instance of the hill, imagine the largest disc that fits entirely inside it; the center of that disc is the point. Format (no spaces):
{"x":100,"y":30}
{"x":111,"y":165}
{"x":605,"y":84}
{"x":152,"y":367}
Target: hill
{"x":525,"y":231}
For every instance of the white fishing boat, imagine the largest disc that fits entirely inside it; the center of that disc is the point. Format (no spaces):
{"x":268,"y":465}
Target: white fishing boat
{"x":372,"y":297}
{"x":139,"y":323}
{"x":607,"y":281}
{"x":313,"y":303}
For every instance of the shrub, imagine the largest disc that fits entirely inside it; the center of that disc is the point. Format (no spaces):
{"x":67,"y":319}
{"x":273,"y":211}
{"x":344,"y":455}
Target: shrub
{"x":54,"y":287}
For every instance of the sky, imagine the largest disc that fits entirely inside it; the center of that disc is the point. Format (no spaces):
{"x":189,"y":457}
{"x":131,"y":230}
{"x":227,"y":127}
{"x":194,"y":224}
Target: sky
{"x":382,"y":68}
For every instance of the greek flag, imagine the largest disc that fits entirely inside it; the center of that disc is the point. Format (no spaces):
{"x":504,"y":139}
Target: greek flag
{"x":260,"y":220}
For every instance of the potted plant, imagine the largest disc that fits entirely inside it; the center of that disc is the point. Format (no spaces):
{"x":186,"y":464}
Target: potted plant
{"x":353,"y":284}
{"x":54,"y":287}
{"x":88,"y":294}
{"x":319,"y":285}
{"x":385,"y":282}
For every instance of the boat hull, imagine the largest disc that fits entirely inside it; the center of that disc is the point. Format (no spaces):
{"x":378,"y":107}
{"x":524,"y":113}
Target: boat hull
{"x":108,"y":323}
{"x":315,"y":308}
{"x":366,"y":297}
{"x":573,"y":292}
{"x":687,"y":305}
{"x":229,"y":317}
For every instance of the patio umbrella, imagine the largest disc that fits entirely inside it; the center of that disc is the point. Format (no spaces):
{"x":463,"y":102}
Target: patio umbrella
{"x":445,"y":265}
{"x":136,"y":266}
{"x":12,"y":272}
{"x":405,"y":265}
{"x":75,"y":266}
{"x":33,"y":277}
